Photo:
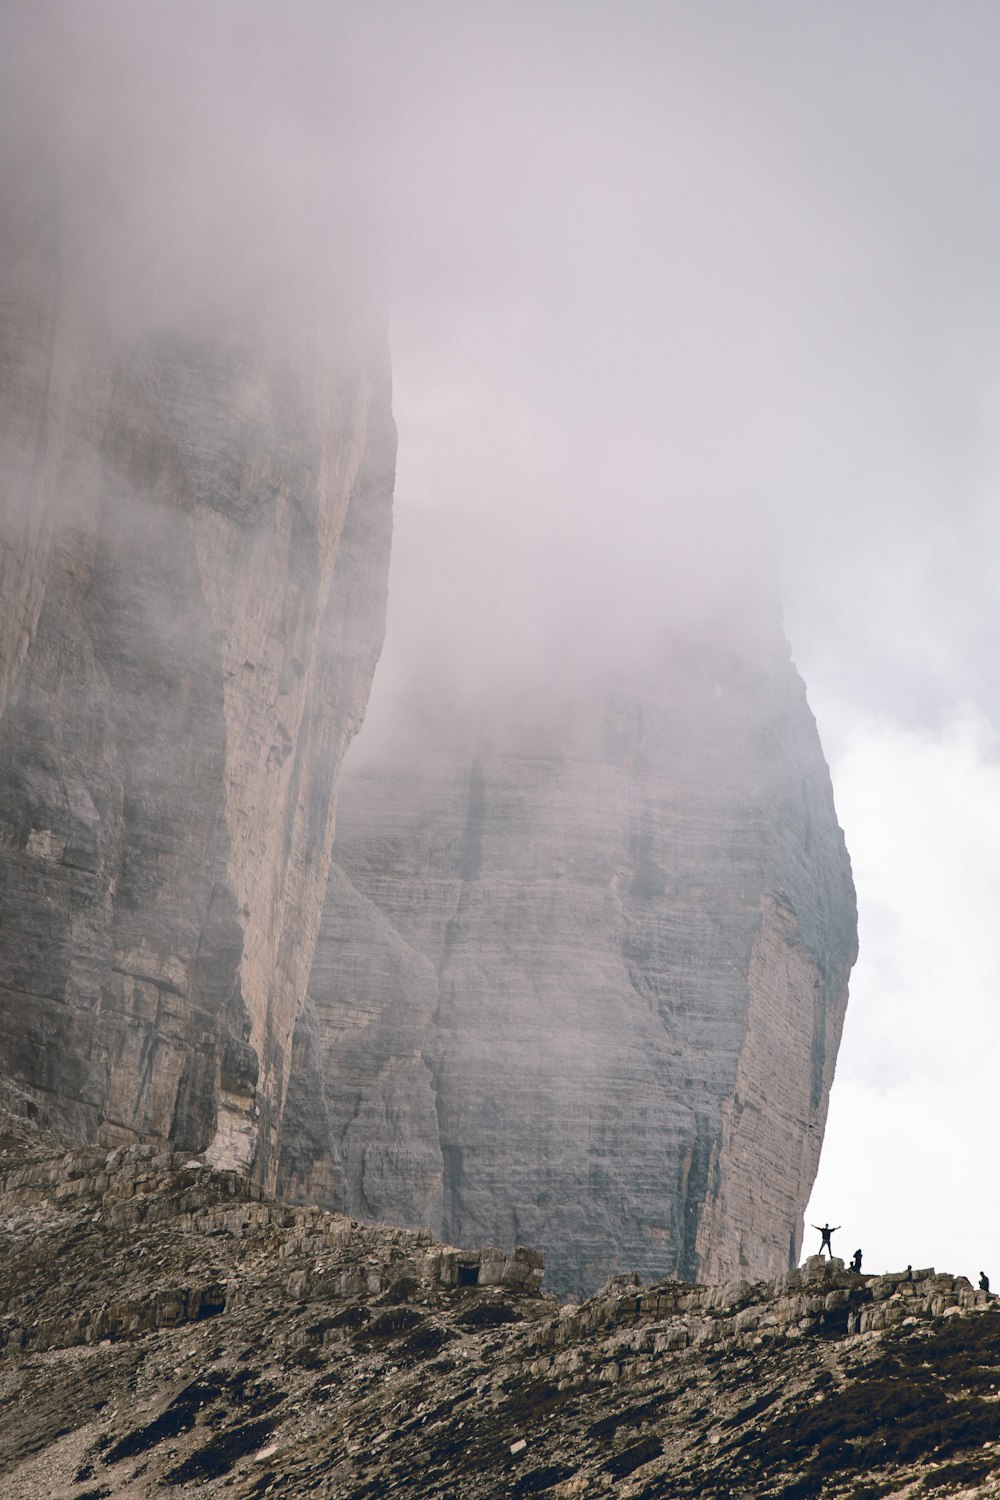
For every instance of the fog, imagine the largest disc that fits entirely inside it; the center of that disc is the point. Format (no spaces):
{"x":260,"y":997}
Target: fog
{"x":193,"y":162}
{"x":665,"y":281}
{"x":681,"y":298}
{"x":723,"y":260}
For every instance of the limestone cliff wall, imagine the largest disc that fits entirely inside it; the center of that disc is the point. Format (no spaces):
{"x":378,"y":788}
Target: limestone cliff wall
{"x":582,"y":986}
{"x":194,"y":539}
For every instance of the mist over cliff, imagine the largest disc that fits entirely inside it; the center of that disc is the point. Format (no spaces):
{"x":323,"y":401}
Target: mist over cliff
{"x":689,"y":258}
{"x":197,"y":459}
{"x":618,"y":288}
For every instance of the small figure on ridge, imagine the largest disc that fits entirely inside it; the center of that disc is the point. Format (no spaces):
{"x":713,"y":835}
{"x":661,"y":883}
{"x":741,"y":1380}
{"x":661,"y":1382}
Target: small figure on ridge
{"x":856,"y":1263}
{"x":826,"y":1230}
{"x":984,"y":1282}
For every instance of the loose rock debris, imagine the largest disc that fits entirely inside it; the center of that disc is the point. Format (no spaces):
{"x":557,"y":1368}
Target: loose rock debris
{"x":166,"y":1329}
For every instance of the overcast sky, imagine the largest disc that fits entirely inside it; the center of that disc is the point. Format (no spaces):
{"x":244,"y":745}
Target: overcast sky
{"x":655,"y":270}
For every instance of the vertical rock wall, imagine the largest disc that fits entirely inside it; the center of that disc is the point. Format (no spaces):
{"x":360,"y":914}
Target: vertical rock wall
{"x":193,"y":551}
{"x":584,"y":988}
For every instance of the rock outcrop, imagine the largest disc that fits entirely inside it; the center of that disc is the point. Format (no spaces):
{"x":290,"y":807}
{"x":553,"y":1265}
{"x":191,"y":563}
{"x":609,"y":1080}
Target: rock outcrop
{"x":581,"y":982}
{"x":165,"y":1327}
{"x":193,"y":553}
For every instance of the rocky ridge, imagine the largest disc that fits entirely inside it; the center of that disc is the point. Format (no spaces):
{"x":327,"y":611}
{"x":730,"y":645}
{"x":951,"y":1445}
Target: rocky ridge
{"x":166,"y":1327}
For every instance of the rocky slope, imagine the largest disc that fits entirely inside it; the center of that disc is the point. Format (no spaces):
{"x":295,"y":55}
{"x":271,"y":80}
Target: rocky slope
{"x":164,"y":1328}
{"x":581,"y":977}
{"x":193,"y":552}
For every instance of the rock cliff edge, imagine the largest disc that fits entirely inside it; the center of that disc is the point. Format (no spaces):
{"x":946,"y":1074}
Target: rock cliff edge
{"x":193,"y":555}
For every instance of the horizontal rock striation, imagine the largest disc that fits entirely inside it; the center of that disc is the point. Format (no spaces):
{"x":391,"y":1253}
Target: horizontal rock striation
{"x":193,"y":552}
{"x":582,"y":984}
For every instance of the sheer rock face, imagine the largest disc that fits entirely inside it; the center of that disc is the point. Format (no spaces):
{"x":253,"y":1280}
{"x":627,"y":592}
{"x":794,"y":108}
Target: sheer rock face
{"x":193,"y":549}
{"x":584,"y":989}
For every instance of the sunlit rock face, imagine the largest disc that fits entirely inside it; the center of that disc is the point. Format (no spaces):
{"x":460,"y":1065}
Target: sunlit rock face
{"x":193,"y":549}
{"x":582,"y":985}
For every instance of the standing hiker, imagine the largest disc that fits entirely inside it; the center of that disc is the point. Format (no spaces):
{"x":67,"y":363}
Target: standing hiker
{"x":826,"y":1230}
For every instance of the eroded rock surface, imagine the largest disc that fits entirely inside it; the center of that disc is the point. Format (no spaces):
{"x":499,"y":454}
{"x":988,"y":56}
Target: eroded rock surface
{"x":193,"y":552}
{"x":581,"y":982}
{"x":165,"y":1328}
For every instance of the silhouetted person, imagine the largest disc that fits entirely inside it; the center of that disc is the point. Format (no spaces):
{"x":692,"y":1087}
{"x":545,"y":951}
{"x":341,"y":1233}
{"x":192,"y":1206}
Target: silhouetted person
{"x":826,"y":1230}
{"x":856,"y":1263}
{"x":909,"y":1273}
{"x":984,"y":1282}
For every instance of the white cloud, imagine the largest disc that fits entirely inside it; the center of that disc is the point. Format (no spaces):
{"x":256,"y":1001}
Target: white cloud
{"x":908,"y":1159}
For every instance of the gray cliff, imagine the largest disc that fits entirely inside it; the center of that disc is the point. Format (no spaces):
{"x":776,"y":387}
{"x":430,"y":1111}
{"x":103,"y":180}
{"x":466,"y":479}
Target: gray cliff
{"x":580,"y":984}
{"x":194,"y":539}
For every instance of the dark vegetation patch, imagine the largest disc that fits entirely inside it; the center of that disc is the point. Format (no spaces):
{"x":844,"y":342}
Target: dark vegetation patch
{"x":326,"y":1386}
{"x":424,"y":1342}
{"x":632,"y":1416}
{"x":242,"y":1389}
{"x":315,"y":1331}
{"x":56,"y":1406}
{"x":482,"y":1442}
{"x":534,"y":1400}
{"x":539,"y":1480}
{"x":262,"y":1397}
{"x":307,"y":1358}
{"x":262,"y":1486}
{"x":169,"y":1424}
{"x":960,"y":1475}
{"x":731,"y":1371}
{"x":488,"y":1315}
{"x":803,"y":1488}
{"x":351,"y":1317}
{"x":388,"y":1325}
{"x":403,"y":1289}
{"x":964,"y":1353}
{"x":218,"y":1457}
{"x":633,"y":1457}
{"x":755,"y":1408}
{"x":695,"y":1483}
{"x":916,"y":1401}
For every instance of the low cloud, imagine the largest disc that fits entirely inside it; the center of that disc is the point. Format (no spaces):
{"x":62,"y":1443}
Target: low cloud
{"x":912,"y":1118}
